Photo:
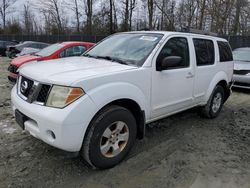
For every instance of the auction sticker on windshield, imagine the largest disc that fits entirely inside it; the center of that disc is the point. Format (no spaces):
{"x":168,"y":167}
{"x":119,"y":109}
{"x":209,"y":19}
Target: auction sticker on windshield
{"x":148,"y":38}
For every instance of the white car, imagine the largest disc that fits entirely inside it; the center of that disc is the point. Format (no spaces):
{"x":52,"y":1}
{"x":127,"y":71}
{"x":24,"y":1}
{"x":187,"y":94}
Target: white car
{"x":28,"y":51}
{"x":100,"y":103}
{"x":241,"y":68}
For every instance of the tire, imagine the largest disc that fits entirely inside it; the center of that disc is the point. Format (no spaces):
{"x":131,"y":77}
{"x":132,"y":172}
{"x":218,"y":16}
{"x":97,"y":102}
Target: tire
{"x":106,"y":122}
{"x":12,"y":55}
{"x":212,"y":110}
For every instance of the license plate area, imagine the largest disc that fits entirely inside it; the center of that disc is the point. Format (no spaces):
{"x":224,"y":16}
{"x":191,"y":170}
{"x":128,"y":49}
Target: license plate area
{"x":20,"y":118}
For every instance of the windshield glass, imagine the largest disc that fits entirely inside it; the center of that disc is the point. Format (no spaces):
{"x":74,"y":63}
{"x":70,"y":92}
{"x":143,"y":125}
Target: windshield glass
{"x":242,"y":55}
{"x":128,"y":47}
{"x":49,"y":50}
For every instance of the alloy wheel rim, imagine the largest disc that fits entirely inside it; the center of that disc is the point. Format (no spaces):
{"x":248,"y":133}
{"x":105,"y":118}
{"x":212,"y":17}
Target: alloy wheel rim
{"x":114,"y":139}
{"x":217,"y":102}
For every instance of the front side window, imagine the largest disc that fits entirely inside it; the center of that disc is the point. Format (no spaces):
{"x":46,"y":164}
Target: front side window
{"x":225,"y":51}
{"x":43,"y":45}
{"x":129,"y":48}
{"x":34,"y":45}
{"x":73,"y":51}
{"x":177,"y":46}
{"x":204,"y":51}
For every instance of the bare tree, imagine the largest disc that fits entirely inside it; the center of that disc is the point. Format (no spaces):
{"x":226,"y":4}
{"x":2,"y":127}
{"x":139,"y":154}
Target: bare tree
{"x":132,"y":5}
{"x":202,"y":12}
{"x":150,"y":13}
{"x":89,"y":12}
{"x":126,"y":15}
{"x":111,"y":27}
{"x":54,"y":10}
{"x":167,"y":12}
{"x":5,"y":9}
{"x":74,"y":6}
{"x":239,"y":13}
{"x":28,"y":19}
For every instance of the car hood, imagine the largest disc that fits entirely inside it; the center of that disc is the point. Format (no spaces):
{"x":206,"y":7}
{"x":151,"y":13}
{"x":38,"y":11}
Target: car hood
{"x":67,"y":71}
{"x":28,"y":51}
{"x":24,"y":59}
{"x":241,"y":65}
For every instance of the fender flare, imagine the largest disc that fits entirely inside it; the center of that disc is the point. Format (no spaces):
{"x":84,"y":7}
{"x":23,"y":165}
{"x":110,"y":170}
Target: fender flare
{"x":220,"y":76}
{"x":125,"y":91}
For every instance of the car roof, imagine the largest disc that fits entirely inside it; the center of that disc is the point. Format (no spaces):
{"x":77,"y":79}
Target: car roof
{"x":76,"y":43}
{"x":25,"y":42}
{"x":180,"y":33}
{"x":242,"y":49}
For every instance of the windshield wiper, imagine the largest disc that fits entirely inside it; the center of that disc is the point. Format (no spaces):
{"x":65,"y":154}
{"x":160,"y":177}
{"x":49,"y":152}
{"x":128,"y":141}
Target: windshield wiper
{"x":112,"y":59}
{"x":91,"y":56}
{"x":107,"y":58}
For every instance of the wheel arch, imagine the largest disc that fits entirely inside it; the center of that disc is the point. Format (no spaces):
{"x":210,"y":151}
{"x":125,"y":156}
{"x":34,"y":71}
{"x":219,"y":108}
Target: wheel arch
{"x":122,"y":94}
{"x":219,"y":79}
{"x":134,"y":108}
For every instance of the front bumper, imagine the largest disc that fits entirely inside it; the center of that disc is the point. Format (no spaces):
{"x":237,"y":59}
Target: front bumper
{"x":12,"y":77}
{"x":68,"y":125}
{"x":241,"y":81}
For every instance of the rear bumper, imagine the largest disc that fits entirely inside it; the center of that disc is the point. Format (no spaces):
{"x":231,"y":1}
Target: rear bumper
{"x":241,"y":81}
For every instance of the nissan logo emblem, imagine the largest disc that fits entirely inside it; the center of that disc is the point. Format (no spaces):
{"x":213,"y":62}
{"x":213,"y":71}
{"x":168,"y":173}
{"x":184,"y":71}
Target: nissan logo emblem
{"x":24,"y":86}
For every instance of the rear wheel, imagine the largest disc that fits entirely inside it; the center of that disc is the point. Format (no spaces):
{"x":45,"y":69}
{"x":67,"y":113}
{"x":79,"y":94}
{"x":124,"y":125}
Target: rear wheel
{"x":110,"y":137}
{"x":215,"y":103}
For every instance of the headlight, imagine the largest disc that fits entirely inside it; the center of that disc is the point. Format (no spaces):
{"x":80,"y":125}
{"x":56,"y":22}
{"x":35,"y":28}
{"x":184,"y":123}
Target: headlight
{"x":61,"y":96}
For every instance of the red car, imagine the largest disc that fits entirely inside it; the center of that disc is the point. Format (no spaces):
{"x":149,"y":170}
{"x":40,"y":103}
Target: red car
{"x":54,"y":51}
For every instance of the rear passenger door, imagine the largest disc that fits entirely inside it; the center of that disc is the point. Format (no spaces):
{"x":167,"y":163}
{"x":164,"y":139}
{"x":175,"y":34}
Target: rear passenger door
{"x":205,"y":66}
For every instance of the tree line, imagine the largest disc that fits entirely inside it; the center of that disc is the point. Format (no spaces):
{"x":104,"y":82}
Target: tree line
{"x":103,"y":17}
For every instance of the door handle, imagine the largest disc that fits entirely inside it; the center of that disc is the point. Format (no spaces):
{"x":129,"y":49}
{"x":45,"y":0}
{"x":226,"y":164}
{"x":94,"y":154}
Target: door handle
{"x":190,"y":75}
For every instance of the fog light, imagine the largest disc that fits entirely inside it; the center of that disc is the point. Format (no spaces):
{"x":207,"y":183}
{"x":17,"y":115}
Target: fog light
{"x":51,"y":135}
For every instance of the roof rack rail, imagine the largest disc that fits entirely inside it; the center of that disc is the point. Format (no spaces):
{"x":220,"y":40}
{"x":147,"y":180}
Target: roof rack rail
{"x":197,"y":31}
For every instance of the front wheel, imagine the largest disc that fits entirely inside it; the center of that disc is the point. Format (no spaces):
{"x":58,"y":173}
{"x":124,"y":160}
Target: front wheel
{"x":215,"y":103}
{"x":110,"y":137}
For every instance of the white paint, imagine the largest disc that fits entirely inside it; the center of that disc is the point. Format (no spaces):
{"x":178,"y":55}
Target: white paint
{"x":159,"y":94}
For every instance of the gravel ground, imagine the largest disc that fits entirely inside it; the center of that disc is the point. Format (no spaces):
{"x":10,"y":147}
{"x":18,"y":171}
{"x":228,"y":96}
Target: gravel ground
{"x":181,"y":151}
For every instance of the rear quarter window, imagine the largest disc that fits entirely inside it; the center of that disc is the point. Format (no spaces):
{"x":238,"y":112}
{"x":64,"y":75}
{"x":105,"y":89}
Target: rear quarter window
{"x":225,"y":51}
{"x":204,"y":51}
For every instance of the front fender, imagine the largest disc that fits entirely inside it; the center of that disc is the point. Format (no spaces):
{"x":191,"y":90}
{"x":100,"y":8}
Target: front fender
{"x":220,"y":76}
{"x":110,"y":92}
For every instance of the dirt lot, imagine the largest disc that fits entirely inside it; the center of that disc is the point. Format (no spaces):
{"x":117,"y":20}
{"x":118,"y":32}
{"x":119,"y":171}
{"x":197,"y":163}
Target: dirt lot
{"x":181,"y":151}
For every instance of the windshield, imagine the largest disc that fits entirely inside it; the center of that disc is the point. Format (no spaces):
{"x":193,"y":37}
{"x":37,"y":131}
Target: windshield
{"x":129,"y":48}
{"x":49,"y":50}
{"x":242,"y":55}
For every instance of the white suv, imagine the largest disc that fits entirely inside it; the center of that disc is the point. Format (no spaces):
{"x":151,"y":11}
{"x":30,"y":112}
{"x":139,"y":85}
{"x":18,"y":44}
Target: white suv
{"x":99,"y":104}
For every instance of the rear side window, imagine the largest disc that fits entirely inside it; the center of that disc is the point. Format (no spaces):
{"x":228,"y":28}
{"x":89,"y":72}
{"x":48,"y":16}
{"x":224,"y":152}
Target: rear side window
{"x":204,"y":50}
{"x":225,"y":51}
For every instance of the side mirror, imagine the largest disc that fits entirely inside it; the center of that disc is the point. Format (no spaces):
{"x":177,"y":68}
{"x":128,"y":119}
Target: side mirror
{"x":169,"y":62}
{"x":62,"y":54}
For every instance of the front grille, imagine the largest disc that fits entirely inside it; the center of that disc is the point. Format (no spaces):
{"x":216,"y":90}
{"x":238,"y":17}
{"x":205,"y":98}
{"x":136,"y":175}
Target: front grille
{"x":241,"y":72}
{"x":43,"y":94}
{"x":33,"y":91}
{"x":13,"y":69}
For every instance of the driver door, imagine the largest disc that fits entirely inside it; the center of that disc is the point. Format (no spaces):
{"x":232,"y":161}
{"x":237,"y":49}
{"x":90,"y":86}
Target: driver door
{"x":172,"y":88}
